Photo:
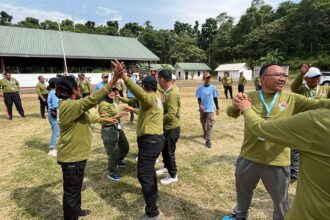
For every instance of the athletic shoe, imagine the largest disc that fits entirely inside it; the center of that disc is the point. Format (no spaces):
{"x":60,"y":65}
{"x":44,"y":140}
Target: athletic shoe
{"x":145,"y":217}
{"x":114,"y":177}
{"x":229,"y":217}
{"x":208,"y":144}
{"x":52,"y":153}
{"x":122,"y":164}
{"x":161,"y":171}
{"x":168,"y":180}
{"x":43,"y":117}
{"x":84,"y":212}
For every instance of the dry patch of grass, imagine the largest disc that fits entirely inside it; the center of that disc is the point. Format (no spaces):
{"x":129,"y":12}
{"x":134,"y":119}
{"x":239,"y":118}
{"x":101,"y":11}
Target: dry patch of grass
{"x":31,"y":182}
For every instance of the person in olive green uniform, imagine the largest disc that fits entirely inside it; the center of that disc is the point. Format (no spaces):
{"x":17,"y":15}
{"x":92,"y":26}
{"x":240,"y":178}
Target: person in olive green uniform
{"x":171,"y":103}
{"x":84,"y":85}
{"x":120,"y":87}
{"x":257,"y":83}
{"x":149,"y":137}
{"x":312,"y":90}
{"x":42,"y":92}
{"x":241,"y":82}
{"x":227,"y":82}
{"x":259,"y":158}
{"x":75,"y":140}
{"x":309,"y":132}
{"x":10,"y":91}
{"x":113,"y":136}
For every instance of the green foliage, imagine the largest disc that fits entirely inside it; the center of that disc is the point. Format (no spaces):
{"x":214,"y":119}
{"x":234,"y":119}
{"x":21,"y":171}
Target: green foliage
{"x":5,"y":18}
{"x":272,"y":57}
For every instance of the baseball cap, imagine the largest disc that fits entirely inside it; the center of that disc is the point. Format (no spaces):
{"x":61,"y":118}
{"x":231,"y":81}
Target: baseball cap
{"x":173,"y":77}
{"x":313,"y":72}
{"x":206,"y":75}
{"x":150,"y":82}
{"x":105,"y":75}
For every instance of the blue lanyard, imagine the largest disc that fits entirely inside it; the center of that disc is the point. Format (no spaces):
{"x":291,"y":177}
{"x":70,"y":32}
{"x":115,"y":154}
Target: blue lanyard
{"x":271,"y":105}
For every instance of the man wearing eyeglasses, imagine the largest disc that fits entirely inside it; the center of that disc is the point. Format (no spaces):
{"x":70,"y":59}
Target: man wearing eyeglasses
{"x":260,"y":158}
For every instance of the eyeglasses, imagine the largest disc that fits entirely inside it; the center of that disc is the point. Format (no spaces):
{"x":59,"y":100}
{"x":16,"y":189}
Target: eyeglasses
{"x":278,"y":75}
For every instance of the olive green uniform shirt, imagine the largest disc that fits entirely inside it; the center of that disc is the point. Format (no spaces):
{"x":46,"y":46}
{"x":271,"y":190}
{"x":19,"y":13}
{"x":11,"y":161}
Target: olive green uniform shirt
{"x":41,"y":89}
{"x":309,"y":132}
{"x":108,"y":110}
{"x":85,"y":86}
{"x":242,"y":80}
{"x":257,"y":81}
{"x":75,"y":140}
{"x":150,"y":114}
{"x":227,"y":80}
{"x":323,"y":92}
{"x":171,"y":103}
{"x":263,"y":151}
{"x":9,"y":86}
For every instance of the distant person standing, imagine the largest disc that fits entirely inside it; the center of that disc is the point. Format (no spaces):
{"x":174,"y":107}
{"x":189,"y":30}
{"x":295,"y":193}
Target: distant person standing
{"x":241,"y":82}
{"x":105,"y":79}
{"x":207,"y":96}
{"x":53,"y":101}
{"x":227,"y":82}
{"x":42,"y":95}
{"x":120,"y":87}
{"x":84,"y":85}
{"x":257,"y":83}
{"x":130,"y":94}
{"x":10,"y":91}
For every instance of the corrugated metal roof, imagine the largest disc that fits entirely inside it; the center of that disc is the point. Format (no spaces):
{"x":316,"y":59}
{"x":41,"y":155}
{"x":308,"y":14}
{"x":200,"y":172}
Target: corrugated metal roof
{"x":232,"y":66}
{"x":26,"y":42}
{"x":157,"y":66}
{"x":192,"y":66}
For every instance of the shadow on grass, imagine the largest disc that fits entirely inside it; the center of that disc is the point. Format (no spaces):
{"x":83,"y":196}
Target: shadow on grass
{"x":116,"y":196}
{"x":37,"y":144}
{"x":34,"y":115}
{"x":197,"y":139}
{"x":221,"y":159}
{"x":38,"y":202}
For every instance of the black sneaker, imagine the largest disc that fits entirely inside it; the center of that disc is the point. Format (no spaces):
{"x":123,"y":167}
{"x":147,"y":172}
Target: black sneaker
{"x":122,"y":164}
{"x":43,"y":117}
{"x":84,"y":212}
{"x":208,"y":144}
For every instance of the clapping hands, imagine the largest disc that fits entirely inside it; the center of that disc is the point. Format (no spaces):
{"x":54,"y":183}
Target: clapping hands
{"x":241,"y":102}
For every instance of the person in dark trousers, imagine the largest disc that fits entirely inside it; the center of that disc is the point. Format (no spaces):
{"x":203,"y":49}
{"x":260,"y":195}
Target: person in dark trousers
{"x":75,"y":140}
{"x":10,"y":91}
{"x":227,"y":82}
{"x":84,"y":85}
{"x":42,"y":95}
{"x":171,"y":103}
{"x":150,"y":139}
{"x":241,"y":82}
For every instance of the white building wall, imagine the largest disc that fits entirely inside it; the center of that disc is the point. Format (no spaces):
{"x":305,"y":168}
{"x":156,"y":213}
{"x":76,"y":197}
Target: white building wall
{"x":181,"y":74}
{"x":30,"y":79}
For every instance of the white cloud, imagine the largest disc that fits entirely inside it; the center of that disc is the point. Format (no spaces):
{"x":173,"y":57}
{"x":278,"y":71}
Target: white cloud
{"x":19,"y":13}
{"x":111,"y":14}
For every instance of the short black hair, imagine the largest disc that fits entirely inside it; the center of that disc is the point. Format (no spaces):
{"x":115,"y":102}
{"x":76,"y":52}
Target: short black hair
{"x":265,"y":67}
{"x":52,"y":83}
{"x":149,"y":83}
{"x":65,"y":86}
{"x":165,"y":74}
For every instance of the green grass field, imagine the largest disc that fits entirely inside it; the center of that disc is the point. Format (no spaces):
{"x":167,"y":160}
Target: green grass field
{"x":31,"y":182}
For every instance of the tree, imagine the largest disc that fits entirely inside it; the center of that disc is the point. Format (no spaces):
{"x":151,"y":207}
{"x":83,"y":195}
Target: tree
{"x":90,"y":25}
{"x":209,"y":30}
{"x":67,"y":25}
{"x":183,"y":28}
{"x":29,"y":22}
{"x":113,"y":28}
{"x":272,"y":57}
{"x":49,"y":25}
{"x":131,"y":29}
{"x":5,"y":18}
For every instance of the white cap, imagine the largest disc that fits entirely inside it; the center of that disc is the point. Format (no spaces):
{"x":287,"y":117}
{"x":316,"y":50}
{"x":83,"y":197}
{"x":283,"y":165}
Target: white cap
{"x":313,"y":72}
{"x":173,"y":77}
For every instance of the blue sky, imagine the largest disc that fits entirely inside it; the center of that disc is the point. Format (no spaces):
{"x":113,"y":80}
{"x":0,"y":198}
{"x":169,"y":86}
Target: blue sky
{"x":161,"y":13}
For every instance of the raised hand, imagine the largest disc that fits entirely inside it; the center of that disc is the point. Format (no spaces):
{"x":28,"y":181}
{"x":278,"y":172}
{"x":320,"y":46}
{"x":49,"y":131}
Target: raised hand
{"x":243,"y":105}
{"x":304,"y":69}
{"x":128,"y":108}
{"x":118,"y":69}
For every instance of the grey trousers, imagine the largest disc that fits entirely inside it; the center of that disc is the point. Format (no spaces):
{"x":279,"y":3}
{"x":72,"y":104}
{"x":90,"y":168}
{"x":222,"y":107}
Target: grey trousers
{"x":207,"y":124}
{"x":275,"y":179}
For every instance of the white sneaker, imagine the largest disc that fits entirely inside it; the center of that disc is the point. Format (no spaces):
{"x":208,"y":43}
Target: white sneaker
{"x":161,"y":171}
{"x":169,"y":180}
{"x":157,"y":160}
{"x":52,"y":153}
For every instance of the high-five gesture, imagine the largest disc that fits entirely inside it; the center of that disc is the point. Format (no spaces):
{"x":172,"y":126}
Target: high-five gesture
{"x":118,"y":69}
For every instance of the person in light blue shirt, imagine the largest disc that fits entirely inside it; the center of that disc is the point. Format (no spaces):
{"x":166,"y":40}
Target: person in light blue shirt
{"x":130,"y":95}
{"x":53,"y":101}
{"x":207,"y":96}
{"x":105,"y":78}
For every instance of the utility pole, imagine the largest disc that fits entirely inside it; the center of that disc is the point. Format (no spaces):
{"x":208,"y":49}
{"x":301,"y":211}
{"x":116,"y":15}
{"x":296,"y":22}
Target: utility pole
{"x":63,"y":50}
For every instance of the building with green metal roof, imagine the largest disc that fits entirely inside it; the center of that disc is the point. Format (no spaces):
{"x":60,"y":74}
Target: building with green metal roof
{"x":157,"y":67}
{"x":190,"y":70}
{"x":25,"y":47}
